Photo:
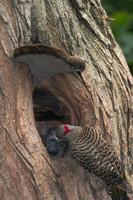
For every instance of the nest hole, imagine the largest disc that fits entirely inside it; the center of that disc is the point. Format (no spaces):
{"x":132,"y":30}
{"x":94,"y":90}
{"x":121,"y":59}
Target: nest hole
{"x":49,"y":110}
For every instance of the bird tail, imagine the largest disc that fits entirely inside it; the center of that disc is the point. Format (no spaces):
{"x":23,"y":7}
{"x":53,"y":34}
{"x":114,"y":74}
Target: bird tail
{"x":118,"y":193}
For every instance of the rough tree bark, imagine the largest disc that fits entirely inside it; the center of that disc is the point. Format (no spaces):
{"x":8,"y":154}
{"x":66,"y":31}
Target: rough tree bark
{"x":102,"y":97}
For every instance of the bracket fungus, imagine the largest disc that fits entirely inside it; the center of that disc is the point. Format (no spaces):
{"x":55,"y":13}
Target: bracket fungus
{"x":45,"y":61}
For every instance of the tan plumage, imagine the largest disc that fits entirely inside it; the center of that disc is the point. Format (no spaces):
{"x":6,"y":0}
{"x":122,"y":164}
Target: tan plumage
{"x":93,"y":152}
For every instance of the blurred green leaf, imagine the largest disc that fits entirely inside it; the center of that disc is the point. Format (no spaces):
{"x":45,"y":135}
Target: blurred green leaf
{"x":122,"y":19}
{"x":122,"y":26}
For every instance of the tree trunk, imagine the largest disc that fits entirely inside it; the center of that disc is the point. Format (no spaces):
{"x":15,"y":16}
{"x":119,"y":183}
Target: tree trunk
{"x":102,"y":96}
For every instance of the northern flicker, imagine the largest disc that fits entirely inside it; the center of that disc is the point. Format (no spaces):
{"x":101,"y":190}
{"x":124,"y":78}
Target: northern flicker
{"x":93,"y":152}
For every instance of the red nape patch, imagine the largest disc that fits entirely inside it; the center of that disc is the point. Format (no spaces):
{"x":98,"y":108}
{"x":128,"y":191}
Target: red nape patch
{"x":67,"y":129}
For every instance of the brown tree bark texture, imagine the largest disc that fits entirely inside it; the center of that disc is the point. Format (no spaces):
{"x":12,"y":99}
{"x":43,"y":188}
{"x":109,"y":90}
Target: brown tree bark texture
{"x":102,"y":97}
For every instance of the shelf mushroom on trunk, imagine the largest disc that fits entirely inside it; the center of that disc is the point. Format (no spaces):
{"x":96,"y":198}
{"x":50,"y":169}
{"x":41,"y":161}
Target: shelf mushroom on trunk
{"x":45,"y":61}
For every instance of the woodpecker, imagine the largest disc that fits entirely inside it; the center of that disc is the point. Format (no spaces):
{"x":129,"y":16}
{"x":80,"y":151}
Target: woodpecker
{"x":93,"y":152}
{"x":55,"y":146}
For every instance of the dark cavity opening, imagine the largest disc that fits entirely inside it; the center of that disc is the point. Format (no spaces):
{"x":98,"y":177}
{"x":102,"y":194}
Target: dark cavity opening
{"x":48,"y":109}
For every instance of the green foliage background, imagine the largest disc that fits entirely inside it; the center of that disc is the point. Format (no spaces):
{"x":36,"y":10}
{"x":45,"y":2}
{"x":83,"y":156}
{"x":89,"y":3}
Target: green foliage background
{"x":122,"y":25}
